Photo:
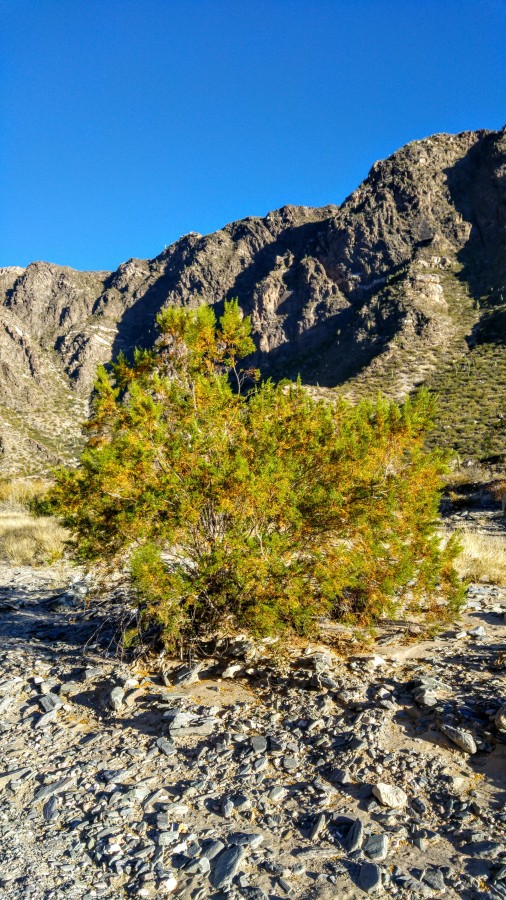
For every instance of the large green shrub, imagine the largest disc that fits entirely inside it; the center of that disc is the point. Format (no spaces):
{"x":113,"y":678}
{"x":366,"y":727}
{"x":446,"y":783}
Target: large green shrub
{"x":265,"y":510}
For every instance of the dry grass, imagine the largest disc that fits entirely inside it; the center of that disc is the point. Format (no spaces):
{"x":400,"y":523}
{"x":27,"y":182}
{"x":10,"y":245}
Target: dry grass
{"x":21,"y":491}
{"x":467,"y":475}
{"x":483,"y":557}
{"x":24,"y":539}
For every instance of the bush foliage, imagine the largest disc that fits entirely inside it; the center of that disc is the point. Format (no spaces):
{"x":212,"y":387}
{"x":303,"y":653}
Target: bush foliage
{"x":263,"y":509}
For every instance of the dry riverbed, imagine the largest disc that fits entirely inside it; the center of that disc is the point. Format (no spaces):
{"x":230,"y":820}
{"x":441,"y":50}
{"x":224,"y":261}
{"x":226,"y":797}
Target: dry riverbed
{"x":382,"y":774}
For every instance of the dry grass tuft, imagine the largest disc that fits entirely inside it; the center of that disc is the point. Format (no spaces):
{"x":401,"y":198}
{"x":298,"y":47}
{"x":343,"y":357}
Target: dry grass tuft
{"x":483,"y":557}
{"x":24,"y":539}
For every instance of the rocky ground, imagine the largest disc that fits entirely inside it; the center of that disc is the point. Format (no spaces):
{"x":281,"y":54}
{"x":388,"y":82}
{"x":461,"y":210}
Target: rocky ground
{"x":383,"y":773}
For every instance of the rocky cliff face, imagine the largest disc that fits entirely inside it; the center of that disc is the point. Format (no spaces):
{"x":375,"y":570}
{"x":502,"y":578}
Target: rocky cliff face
{"x":402,"y":284}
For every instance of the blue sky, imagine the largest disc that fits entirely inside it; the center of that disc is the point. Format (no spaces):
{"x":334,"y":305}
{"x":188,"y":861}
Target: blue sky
{"x":124,"y":124}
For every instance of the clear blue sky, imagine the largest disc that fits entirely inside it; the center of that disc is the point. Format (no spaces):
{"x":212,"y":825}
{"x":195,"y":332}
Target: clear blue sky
{"x":127,"y":123}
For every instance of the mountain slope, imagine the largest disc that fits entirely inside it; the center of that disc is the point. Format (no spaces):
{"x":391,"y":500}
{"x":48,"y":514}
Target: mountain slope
{"x":403,"y":284}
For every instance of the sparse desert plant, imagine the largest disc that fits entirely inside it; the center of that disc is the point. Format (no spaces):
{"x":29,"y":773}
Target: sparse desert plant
{"x":263,"y":510}
{"x":483,"y":557}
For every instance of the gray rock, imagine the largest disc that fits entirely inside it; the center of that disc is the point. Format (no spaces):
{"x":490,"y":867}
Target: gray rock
{"x":425,"y":697}
{"x":315,"y":853}
{"x":226,"y":866}
{"x":47,"y":719}
{"x":376,"y":847}
{"x":243,"y":839}
{"x":91,"y":673}
{"x":200,"y":866}
{"x":232,"y":670}
{"x":50,"y":701}
{"x":369,"y":878}
{"x":277,"y":793}
{"x":50,"y":809}
{"x":318,"y":827}
{"x":227,"y":808}
{"x":355,"y":836}
{"x":460,"y":737}
{"x":54,"y":787}
{"x":166,"y":747}
{"x":213,"y":849}
{"x":435,"y":879}
{"x":116,"y":697}
{"x":188,"y":674}
{"x":179,"y":718}
{"x":253,"y":893}
{"x":204,"y":729}
{"x":478,"y":632}
{"x":258,"y":743}
{"x":15,"y":775}
{"x":340,"y":776}
{"x":500,"y":718}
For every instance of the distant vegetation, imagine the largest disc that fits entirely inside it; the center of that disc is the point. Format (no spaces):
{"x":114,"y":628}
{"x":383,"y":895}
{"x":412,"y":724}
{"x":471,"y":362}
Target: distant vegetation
{"x":472,"y":389}
{"x":261,"y":508}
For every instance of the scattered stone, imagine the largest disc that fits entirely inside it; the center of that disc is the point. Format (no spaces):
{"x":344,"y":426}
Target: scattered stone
{"x":232,"y":670}
{"x":258,"y":743}
{"x":100,"y":808}
{"x":166,"y":747}
{"x":318,"y":853}
{"x":369,"y":878}
{"x":478,"y":632}
{"x":226,"y":866}
{"x":50,"y":809}
{"x":213,"y":849}
{"x":355,"y":836}
{"x":47,"y":719}
{"x":116,"y":698}
{"x":435,"y":879}
{"x":390,"y":795}
{"x":340,"y":776}
{"x":376,"y":847}
{"x":459,"y":737}
{"x":188,"y":674}
{"x":500,"y":718}
{"x":318,"y":827}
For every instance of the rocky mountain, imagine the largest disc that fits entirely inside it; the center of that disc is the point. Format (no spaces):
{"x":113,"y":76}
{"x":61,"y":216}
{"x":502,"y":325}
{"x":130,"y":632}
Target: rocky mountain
{"x":402,"y":284}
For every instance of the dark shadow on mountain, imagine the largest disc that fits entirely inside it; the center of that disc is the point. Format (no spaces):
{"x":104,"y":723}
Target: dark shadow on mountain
{"x":137,"y":326}
{"x":478,"y":191}
{"x":327,"y":353}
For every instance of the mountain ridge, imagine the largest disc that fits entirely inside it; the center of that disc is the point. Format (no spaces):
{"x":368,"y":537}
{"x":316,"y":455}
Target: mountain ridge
{"x":402,"y":284}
